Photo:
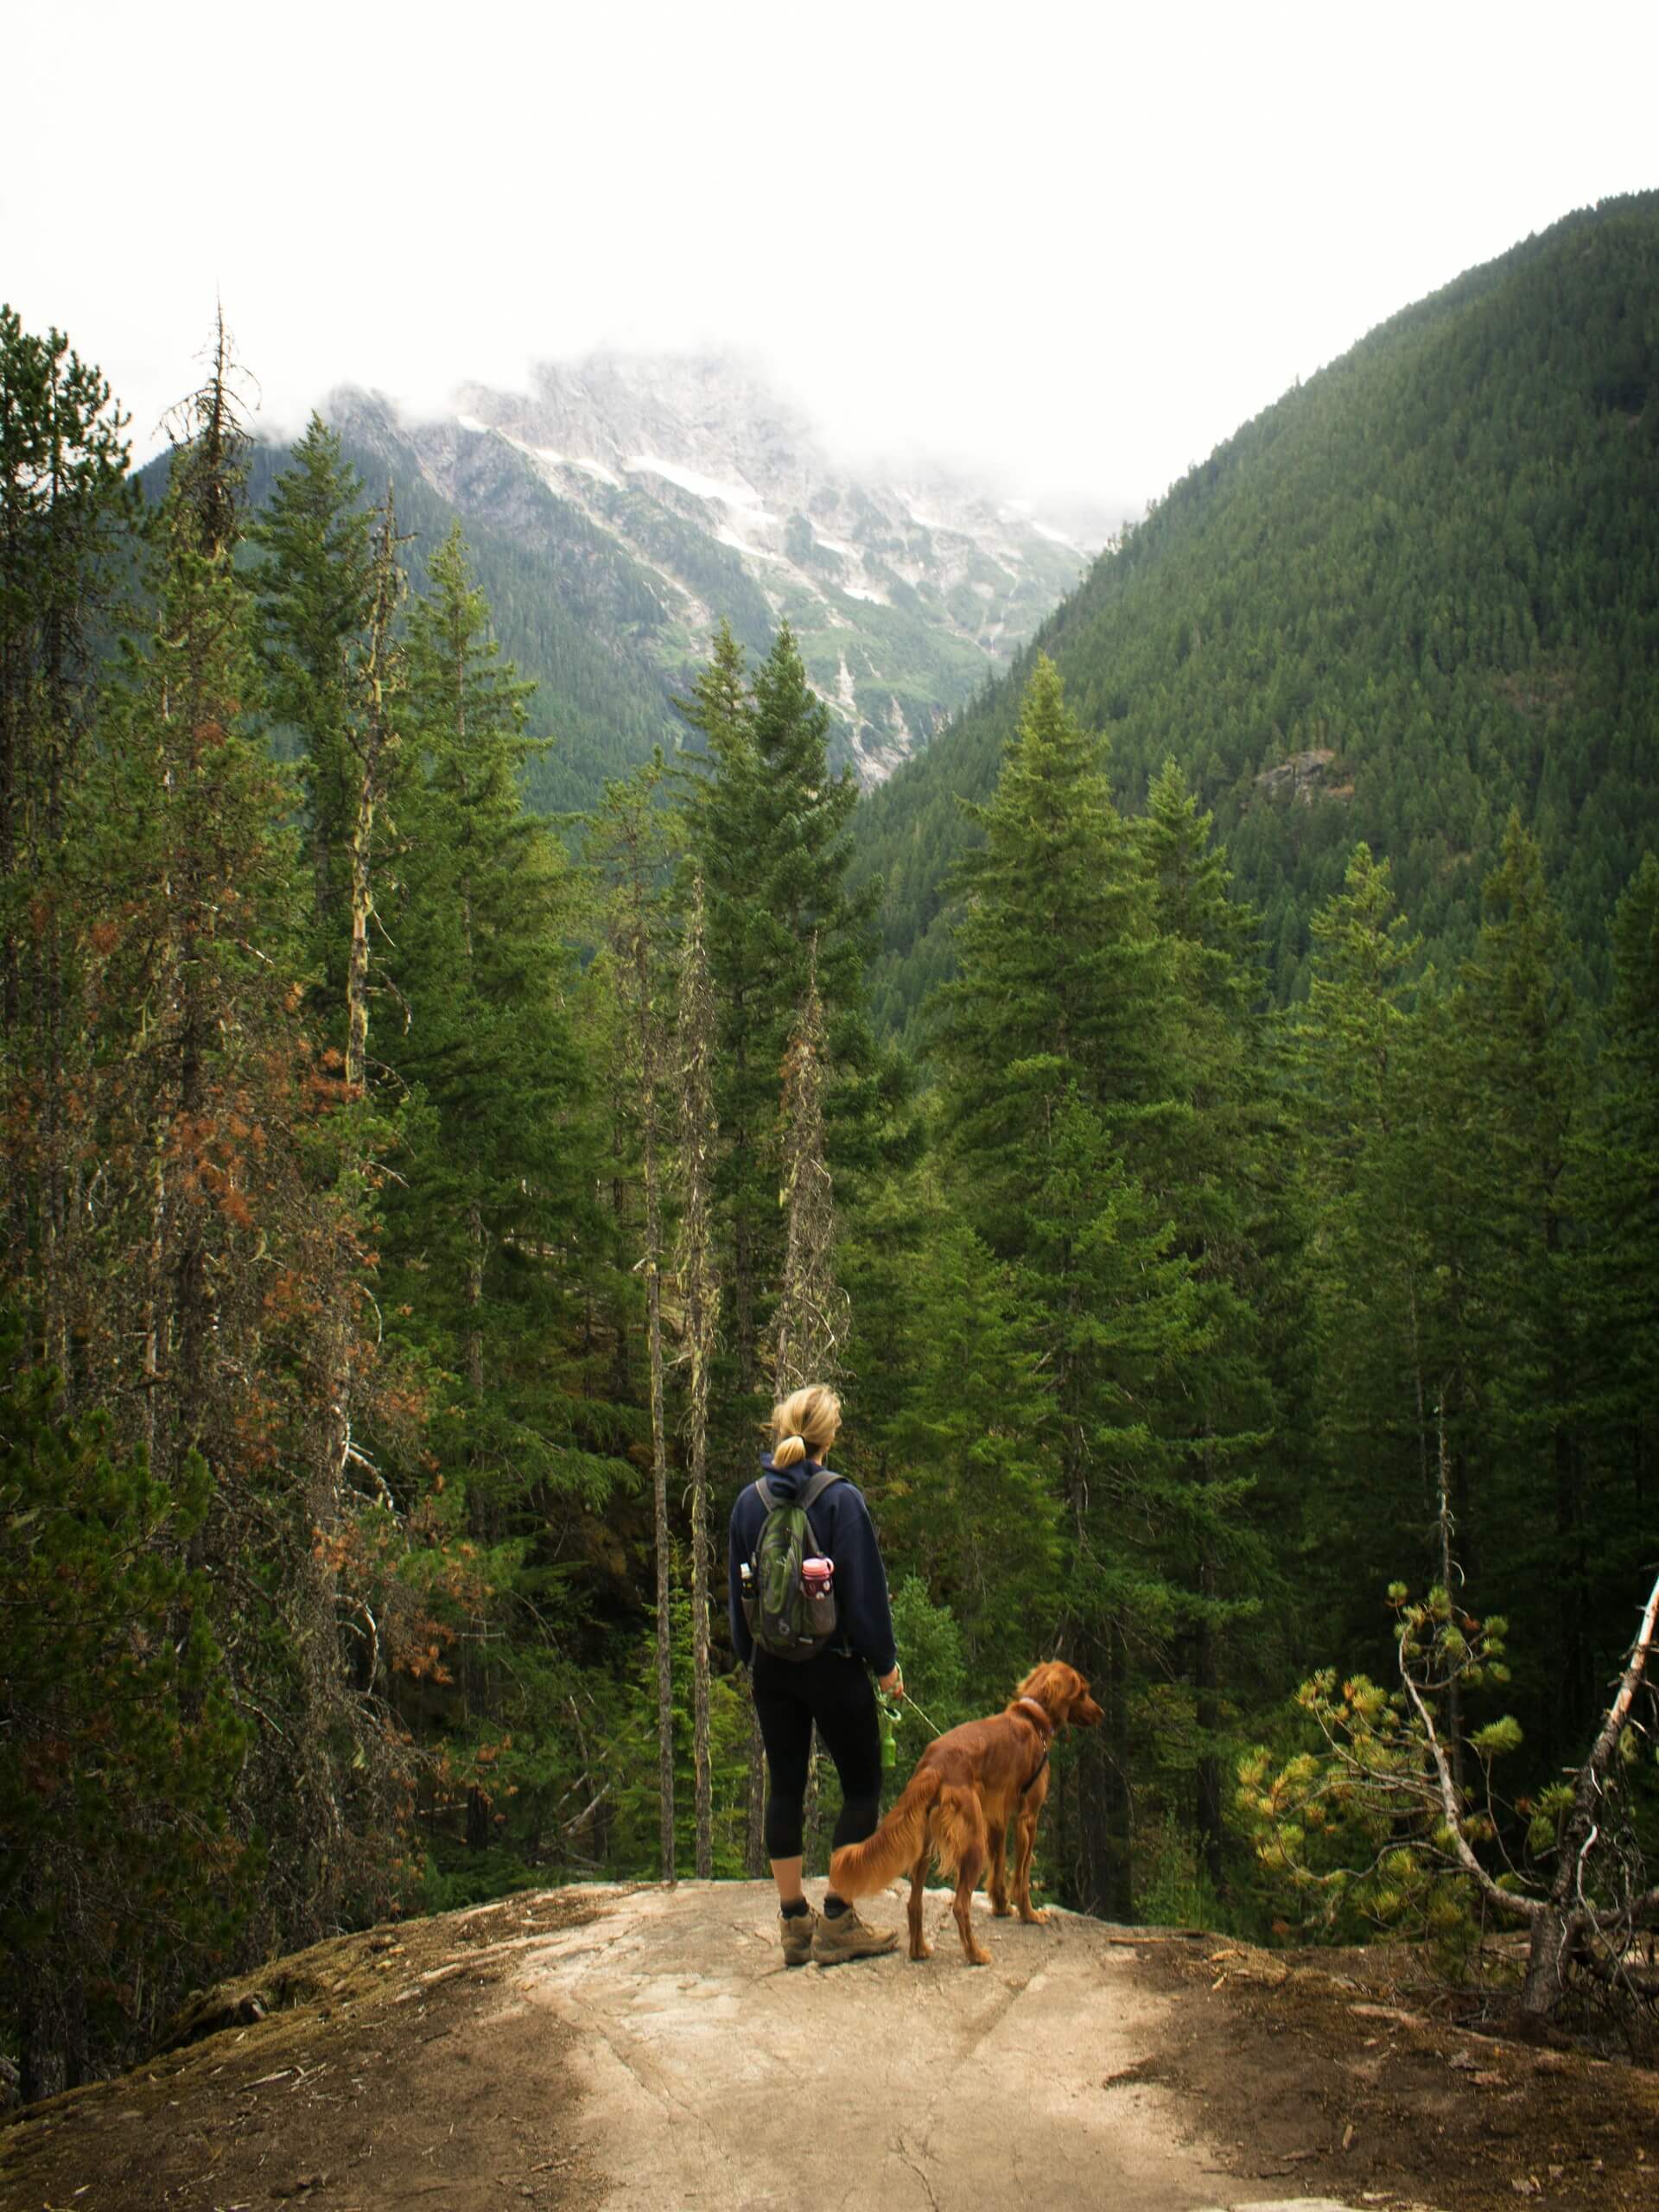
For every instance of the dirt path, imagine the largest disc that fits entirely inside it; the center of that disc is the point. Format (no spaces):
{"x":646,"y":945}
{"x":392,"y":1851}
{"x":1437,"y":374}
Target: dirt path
{"x":641,"y":2049}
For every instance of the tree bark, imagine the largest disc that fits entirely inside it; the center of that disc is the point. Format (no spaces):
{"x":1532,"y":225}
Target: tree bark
{"x":702,"y":1785}
{"x":475,"y":1258}
{"x":755,"y":1855}
{"x":699,"y":1135}
{"x":1208,"y":1808}
{"x":636,"y":855}
{"x":658,"y":1441}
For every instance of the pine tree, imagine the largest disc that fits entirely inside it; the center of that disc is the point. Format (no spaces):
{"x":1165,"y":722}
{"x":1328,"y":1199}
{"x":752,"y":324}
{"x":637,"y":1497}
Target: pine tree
{"x":317,"y":589}
{"x":478,"y":966}
{"x":1615,"y":1185}
{"x":69,"y":515}
{"x":230,"y":1254}
{"x":965,"y":1455}
{"x":1514,"y":1058}
{"x":630,"y":844}
{"x":489,"y":1219}
{"x":120,"y":1874}
{"x":1611,"y":1191}
{"x":1051,"y":1041}
{"x":1212,"y":1178}
{"x":769,"y":826}
{"x":1060,"y":982}
{"x":1388,"y":1345}
{"x":184,"y":821}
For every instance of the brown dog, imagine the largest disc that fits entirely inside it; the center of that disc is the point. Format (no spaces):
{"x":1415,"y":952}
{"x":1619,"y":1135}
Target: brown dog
{"x":957,"y":1808}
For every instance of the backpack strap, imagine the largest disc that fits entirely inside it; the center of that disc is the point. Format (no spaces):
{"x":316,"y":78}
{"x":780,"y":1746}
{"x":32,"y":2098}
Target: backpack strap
{"x":807,"y":1499}
{"x":815,"y":1490}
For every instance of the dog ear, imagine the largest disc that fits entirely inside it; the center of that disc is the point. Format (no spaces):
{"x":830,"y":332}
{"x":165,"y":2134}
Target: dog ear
{"x":1082,"y":1708}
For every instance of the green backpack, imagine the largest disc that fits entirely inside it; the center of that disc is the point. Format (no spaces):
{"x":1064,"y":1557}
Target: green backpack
{"x":786,"y":1617}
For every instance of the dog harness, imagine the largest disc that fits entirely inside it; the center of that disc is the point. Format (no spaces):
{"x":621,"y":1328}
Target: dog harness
{"x":1031,"y":1706}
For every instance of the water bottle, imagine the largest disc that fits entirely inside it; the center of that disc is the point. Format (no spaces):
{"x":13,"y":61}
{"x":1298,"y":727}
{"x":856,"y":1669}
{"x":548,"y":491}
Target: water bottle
{"x":889,"y":1722}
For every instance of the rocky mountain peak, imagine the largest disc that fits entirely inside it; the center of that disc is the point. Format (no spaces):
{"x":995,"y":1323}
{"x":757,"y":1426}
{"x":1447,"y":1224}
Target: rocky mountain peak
{"x":902,"y":586}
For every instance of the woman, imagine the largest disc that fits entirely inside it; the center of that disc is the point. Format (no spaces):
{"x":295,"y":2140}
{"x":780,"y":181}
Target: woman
{"x":831,"y":1688}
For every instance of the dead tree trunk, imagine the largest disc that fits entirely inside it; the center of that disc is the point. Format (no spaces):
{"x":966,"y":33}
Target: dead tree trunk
{"x":1207,"y":1777}
{"x":754,"y":1856}
{"x":376,"y":740}
{"x":810,"y":1322}
{"x":1566,"y":1926}
{"x":372,"y":741}
{"x":637,"y":856}
{"x":699,"y":1290}
{"x":658,"y":1442}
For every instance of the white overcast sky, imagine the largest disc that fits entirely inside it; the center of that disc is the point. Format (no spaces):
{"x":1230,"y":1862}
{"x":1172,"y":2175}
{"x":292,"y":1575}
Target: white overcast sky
{"x":1076,"y":243}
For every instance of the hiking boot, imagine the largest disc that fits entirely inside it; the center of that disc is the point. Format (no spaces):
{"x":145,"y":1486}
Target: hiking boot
{"x":794,"y":1932}
{"x":847,"y":1937}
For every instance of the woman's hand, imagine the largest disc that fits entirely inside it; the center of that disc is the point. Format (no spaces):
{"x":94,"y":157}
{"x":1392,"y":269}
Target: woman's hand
{"x":892,"y":1685}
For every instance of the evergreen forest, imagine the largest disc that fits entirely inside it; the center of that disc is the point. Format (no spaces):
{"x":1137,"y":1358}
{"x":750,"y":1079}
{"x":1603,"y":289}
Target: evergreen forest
{"x":1230,"y":1216}
{"x":1417,"y":593}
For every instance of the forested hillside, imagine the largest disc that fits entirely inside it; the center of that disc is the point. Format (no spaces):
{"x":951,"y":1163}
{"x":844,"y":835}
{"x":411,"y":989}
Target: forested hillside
{"x":1419,"y":590}
{"x":411,"y":1214}
{"x":563,"y":603}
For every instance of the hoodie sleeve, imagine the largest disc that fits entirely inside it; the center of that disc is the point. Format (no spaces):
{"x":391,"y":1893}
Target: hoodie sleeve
{"x":866,"y":1613}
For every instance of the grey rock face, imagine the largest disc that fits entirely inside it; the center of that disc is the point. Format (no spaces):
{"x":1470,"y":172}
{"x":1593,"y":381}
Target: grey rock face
{"x":903,"y":587}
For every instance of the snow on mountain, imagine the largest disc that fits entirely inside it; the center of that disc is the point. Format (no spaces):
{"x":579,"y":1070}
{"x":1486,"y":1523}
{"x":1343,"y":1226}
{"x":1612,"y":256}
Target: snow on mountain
{"x":723,"y":500}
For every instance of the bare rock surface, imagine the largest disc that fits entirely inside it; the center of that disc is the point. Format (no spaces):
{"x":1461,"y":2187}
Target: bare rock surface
{"x":712,"y":2075}
{"x":614,"y":2048}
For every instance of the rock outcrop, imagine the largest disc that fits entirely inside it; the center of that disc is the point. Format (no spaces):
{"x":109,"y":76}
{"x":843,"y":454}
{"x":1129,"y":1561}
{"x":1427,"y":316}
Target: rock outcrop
{"x":1305,"y":777}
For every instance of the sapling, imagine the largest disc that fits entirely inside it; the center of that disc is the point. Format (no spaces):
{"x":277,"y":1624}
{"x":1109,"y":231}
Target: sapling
{"x":1376,"y":1818}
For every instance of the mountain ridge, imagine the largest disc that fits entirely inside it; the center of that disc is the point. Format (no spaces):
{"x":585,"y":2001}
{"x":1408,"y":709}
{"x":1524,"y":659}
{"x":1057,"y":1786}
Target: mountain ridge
{"x":714,"y":500}
{"x":1429,"y":574}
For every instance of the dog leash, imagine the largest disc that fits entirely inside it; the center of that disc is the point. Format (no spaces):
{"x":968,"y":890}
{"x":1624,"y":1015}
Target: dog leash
{"x":899,"y":1706}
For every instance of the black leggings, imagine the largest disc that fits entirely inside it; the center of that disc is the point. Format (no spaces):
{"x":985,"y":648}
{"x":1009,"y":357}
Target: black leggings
{"x":835,"y":1692}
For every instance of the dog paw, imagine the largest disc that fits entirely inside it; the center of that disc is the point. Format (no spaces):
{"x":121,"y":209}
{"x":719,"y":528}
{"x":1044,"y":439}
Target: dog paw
{"x":921,"y":1950}
{"x":1036,"y":1919}
{"x":1001,"y":1911}
{"x":979,"y":1958}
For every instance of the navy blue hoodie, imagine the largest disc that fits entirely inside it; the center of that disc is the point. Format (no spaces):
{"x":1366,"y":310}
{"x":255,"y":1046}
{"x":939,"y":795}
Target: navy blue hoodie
{"x":840,"y":1522}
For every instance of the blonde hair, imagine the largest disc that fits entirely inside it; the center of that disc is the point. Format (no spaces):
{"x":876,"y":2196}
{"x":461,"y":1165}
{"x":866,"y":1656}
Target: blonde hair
{"x":805,"y":1423}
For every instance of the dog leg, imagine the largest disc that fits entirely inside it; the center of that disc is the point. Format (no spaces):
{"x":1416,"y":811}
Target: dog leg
{"x":1028,"y":1839}
{"x":997,"y":1873}
{"x":959,"y":1841}
{"x":919,"y":1946}
{"x":962,"y":1906}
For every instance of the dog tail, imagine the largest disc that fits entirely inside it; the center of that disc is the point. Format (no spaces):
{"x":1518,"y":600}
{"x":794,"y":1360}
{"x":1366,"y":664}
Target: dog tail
{"x":859,"y":1868}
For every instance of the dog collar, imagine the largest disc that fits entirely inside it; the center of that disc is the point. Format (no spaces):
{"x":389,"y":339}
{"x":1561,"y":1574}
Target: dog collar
{"x":1031,"y":1706}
